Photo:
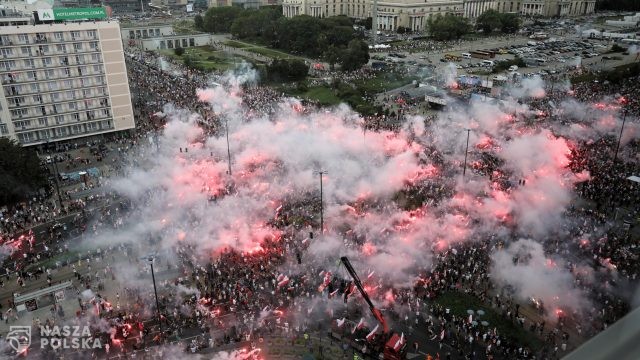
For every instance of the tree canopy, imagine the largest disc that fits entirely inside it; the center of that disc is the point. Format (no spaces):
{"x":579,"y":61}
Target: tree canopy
{"x":448,"y":27}
{"x":287,"y":70}
{"x":491,"y":20}
{"x":329,"y":38}
{"x":618,"y":5}
{"x":20,"y":172}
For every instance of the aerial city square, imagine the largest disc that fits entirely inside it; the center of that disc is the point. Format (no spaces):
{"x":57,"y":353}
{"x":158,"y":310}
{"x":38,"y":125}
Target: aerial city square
{"x":288,"y":179}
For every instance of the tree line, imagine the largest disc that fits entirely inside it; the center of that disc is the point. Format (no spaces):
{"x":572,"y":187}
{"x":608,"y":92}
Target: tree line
{"x":333,"y":39}
{"x":618,"y":5}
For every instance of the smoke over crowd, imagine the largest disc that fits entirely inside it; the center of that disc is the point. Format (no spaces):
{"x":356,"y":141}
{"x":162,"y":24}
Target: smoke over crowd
{"x":255,"y":208}
{"x":518,"y":185}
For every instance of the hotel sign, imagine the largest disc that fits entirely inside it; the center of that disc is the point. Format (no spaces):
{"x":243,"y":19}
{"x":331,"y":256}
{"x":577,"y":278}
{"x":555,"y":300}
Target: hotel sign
{"x":72,"y":13}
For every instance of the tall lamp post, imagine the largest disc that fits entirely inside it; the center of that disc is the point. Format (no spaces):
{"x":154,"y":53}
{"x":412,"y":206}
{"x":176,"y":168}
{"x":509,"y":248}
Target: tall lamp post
{"x":624,"y":119}
{"x":226,"y":127}
{"x":464,"y":170}
{"x":55,"y":175}
{"x":150,"y":258}
{"x":321,"y":173}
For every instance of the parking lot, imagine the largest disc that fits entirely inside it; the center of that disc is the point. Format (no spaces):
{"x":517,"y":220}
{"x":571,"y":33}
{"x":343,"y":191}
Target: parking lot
{"x":542,"y":57}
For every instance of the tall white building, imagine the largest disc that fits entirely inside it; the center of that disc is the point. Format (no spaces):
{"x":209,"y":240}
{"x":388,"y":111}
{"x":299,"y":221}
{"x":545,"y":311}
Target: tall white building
{"x":391,"y":13}
{"x":545,"y":8}
{"x":63,"y":81}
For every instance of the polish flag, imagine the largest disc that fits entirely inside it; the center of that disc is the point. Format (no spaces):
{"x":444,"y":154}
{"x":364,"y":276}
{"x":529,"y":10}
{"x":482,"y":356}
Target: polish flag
{"x":360,"y":325}
{"x":399,"y":343}
{"x":284,"y":281}
{"x":372,"y":333}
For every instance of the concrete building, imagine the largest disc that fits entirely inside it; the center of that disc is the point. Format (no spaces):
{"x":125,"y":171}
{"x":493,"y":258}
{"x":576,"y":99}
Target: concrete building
{"x":391,"y":14}
{"x":631,"y":21}
{"x":543,"y":8}
{"x":160,"y":37}
{"x":62,"y":81}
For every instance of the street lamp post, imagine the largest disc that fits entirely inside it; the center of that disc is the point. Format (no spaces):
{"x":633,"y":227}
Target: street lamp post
{"x":155,"y":291}
{"x":226,"y":126}
{"x":624,"y":119}
{"x":321,"y":173}
{"x":464,"y":170}
{"x":55,"y":175}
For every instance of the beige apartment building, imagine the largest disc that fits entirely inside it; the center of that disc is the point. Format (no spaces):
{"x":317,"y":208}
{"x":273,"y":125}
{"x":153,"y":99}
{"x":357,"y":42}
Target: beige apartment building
{"x":62,"y":81}
{"x":543,"y":8}
{"x":391,"y":14}
{"x":414,"y":14}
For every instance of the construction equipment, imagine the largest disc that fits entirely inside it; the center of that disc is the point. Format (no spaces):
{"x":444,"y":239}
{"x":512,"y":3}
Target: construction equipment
{"x":395,"y":345}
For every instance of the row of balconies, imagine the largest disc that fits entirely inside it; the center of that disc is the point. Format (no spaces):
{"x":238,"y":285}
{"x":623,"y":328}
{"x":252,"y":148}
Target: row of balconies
{"x":37,"y":111}
{"x":100,"y":127}
{"x":84,"y":83}
{"x":67,"y":118}
{"x":19,"y":125}
{"x":71,"y":50}
{"x":16,"y":41}
{"x":61,"y":76}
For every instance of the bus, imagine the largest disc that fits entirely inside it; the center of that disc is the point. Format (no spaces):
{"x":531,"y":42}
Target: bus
{"x":452,"y":57}
{"x":630,"y":41}
{"x":539,"y":36}
{"x":481,"y":54}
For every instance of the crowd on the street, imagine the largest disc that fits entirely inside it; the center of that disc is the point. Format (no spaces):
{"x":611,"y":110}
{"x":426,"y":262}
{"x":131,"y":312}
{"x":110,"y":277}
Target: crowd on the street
{"x":243,"y":296}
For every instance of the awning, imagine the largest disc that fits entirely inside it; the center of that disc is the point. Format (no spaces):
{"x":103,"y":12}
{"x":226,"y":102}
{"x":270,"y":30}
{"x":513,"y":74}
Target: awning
{"x":634,"y":178}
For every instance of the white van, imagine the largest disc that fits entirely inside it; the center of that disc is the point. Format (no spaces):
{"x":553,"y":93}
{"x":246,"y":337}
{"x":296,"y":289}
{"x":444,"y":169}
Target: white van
{"x":488,"y":63}
{"x":466,"y":55}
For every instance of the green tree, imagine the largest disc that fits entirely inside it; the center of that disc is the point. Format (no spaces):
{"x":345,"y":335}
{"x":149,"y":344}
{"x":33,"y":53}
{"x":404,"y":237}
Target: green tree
{"x":355,"y":56}
{"x":488,"y":21}
{"x":287,"y":70}
{"x":220,"y":19}
{"x":20,"y":172}
{"x":448,"y":27}
{"x":332,"y":56}
{"x":509,"y":23}
{"x":618,"y":5}
{"x":178,"y":51}
{"x":199,"y":22}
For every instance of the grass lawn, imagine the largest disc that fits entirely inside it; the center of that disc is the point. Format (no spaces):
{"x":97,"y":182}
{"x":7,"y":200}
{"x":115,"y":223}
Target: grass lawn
{"x":260,"y":49}
{"x":274,"y":54}
{"x":236,"y":44}
{"x":208,"y":58}
{"x":459,"y":303}
{"x":383,"y":82}
{"x":323,"y":95}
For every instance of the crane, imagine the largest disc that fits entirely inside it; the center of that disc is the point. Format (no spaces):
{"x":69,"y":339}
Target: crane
{"x":395,"y":345}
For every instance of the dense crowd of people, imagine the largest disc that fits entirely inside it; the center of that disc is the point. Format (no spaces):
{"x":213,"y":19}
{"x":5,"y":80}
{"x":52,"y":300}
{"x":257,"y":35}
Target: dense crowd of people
{"x":244,"y":296}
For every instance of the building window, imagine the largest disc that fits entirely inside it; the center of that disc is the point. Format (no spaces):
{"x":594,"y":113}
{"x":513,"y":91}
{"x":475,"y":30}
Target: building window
{"x":24,"y":38}
{"x":58,"y":35}
{"x":92,"y":34}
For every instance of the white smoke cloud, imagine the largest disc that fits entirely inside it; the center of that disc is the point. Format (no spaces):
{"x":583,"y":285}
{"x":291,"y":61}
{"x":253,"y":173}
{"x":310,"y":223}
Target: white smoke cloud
{"x":524,"y":265}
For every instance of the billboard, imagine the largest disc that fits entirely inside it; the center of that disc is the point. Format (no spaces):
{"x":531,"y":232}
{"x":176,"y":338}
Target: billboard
{"x":72,"y":13}
{"x":189,"y":7}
